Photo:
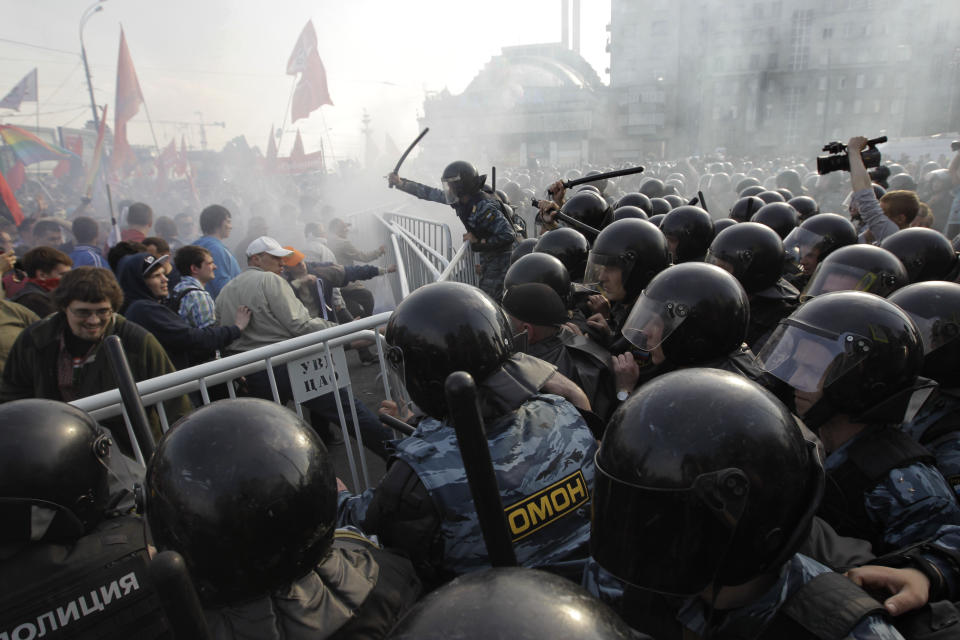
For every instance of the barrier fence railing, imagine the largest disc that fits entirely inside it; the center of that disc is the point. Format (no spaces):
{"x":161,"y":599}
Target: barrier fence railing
{"x":318,"y":368}
{"x":435,"y":235}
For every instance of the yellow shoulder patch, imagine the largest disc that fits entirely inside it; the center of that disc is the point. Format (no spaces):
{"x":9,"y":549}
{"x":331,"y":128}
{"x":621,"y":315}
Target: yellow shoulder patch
{"x":547,"y":505}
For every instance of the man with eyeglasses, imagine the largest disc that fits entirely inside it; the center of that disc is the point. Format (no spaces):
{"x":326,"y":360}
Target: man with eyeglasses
{"x":60,"y":357}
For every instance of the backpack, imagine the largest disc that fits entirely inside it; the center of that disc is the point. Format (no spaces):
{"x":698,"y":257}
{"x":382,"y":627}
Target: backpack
{"x":173,"y":302}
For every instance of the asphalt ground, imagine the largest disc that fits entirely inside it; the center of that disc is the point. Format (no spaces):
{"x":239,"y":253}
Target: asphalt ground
{"x":368,"y":389}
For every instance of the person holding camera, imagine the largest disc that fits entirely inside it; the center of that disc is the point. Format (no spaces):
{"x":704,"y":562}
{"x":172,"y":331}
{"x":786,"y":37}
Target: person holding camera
{"x":878,"y":218}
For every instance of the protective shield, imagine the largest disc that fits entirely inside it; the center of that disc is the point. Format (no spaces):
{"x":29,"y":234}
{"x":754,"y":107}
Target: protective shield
{"x":811,"y":359}
{"x":842,"y":277}
{"x":651,"y":321}
{"x":672,"y":541}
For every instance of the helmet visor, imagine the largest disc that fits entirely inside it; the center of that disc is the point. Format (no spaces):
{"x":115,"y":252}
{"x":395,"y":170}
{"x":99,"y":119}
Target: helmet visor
{"x":671,"y":541}
{"x":397,"y":380}
{"x":841,"y":277}
{"x":606,"y":274}
{"x":936,"y":332}
{"x":651,"y":321}
{"x":802,"y":243}
{"x":451,"y":191}
{"x":809,"y":359}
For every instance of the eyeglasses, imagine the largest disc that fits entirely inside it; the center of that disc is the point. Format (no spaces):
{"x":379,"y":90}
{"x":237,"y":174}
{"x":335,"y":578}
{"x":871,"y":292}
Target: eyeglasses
{"x":84,"y":314}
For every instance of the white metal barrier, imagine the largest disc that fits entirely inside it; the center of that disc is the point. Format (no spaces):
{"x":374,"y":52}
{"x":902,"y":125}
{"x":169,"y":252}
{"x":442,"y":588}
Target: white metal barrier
{"x":310,"y":348}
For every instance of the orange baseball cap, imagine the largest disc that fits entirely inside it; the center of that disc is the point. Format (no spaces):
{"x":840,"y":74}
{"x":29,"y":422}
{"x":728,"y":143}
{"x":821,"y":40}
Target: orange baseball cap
{"x":294,"y":258}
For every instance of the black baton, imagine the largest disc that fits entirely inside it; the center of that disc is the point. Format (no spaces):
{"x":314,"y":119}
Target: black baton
{"x":130,"y":396}
{"x":464,"y":407}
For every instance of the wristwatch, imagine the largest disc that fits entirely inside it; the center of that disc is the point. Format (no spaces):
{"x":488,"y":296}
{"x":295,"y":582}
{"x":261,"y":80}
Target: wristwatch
{"x":622,"y":395}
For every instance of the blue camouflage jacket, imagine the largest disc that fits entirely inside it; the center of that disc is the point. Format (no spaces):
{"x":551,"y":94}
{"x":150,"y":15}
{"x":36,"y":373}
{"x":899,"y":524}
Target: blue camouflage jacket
{"x":482,"y":217}
{"x":543,"y":460}
{"x":908,"y":506}
{"x":749,"y":620}
{"x":935,"y":426}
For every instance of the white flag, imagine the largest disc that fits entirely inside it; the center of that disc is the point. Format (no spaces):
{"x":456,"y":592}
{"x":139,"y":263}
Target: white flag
{"x":25,"y":91}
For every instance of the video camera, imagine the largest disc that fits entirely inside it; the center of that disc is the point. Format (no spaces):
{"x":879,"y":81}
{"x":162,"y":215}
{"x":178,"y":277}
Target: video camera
{"x":838,"y":160}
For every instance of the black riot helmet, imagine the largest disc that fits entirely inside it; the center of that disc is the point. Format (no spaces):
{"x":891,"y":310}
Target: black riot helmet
{"x":675,"y":200}
{"x":752,"y":191}
{"x":652,"y":188}
{"x":569,"y":246}
{"x":629,"y":211}
{"x":588,"y":187}
{"x":657,"y":219}
{"x":752,"y":252}
{"x":441,"y":328}
{"x":779,"y":216}
{"x":689,"y":231}
{"x":542,"y":268}
{"x":703,"y":477}
{"x":786,"y":193}
{"x":245,"y":491}
{"x":771,"y":196}
{"x":935,"y":308}
{"x":513,"y":193}
{"x":53,"y":471}
{"x":636,"y":248}
{"x":790,"y":180}
{"x":817,"y":237}
{"x":857,"y":267}
{"x":855,"y":349}
{"x":745,"y":183}
{"x":805,"y":206}
{"x":744,"y":208}
{"x":902,"y":181}
{"x":600,"y":184}
{"x":660,"y":207}
{"x":510,"y":602}
{"x":721,"y":224}
{"x":926,"y":254}
{"x":589,"y":208}
{"x":634,"y":199}
{"x":459,"y":179}
{"x":523,"y":247}
{"x":694,"y":312}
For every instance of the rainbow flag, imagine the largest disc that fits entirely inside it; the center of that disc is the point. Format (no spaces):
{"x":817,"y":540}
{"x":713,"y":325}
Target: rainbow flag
{"x":29,"y":148}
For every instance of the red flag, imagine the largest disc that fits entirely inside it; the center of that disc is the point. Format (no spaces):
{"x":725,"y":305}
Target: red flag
{"x":127,"y":103}
{"x":11,"y":208}
{"x":297,"y":151}
{"x":181,"y":166}
{"x":271,"y":146}
{"x":75,"y":144}
{"x":17,"y":175}
{"x":311,"y":92}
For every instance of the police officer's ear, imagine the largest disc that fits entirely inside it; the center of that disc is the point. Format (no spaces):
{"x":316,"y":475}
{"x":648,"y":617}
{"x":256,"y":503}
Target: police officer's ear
{"x":481,"y":180}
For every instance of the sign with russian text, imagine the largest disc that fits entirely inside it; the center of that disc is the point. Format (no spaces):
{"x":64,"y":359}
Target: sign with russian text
{"x":316,"y":376}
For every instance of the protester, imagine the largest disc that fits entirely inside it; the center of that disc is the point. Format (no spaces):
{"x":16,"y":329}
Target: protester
{"x":216,"y":225}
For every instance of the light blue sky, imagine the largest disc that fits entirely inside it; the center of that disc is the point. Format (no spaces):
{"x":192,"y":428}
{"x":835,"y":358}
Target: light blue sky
{"x":226,"y":59}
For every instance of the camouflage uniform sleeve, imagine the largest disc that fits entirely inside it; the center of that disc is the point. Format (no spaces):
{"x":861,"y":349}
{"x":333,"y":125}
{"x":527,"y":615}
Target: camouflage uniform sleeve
{"x":422,"y":191}
{"x":874,"y":628}
{"x":911,"y":504}
{"x":491,"y":225}
{"x":945,"y":556}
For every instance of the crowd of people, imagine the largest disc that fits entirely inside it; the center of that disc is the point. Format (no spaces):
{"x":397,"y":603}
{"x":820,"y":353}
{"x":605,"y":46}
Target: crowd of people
{"x":721,"y":397}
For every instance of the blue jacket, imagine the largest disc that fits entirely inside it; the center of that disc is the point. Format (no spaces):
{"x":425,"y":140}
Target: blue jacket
{"x":184,"y":344}
{"x":227,"y":266}
{"x":85,"y":255}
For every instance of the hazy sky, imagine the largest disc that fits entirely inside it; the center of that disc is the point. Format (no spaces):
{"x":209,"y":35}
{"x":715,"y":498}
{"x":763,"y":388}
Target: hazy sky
{"x":226,"y":60}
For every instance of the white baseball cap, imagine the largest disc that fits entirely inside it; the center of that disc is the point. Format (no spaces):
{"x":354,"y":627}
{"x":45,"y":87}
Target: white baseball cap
{"x":266,"y":244}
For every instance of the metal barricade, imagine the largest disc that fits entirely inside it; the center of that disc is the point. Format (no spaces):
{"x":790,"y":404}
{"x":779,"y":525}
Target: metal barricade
{"x":319,"y":356}
{"x":435,"y":235}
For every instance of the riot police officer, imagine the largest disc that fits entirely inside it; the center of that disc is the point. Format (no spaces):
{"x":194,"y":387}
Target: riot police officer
{"x":423,"y":504}
{"x":245,"y":491}
{"x":489,"y":230}
{"x":64,"y":544}
{"x":852,"y":360}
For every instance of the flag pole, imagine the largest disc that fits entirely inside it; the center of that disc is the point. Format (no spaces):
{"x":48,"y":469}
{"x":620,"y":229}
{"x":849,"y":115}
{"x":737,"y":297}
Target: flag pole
{"x":283,"y":125}
{"x":146,"y":110}
{"x":333,"y":154}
